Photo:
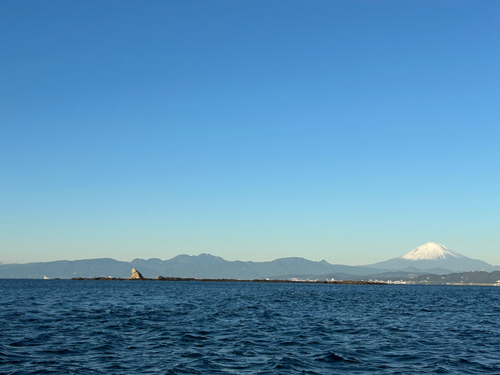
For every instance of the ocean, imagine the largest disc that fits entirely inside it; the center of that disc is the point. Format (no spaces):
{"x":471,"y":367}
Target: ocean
{"x":190,"y":327}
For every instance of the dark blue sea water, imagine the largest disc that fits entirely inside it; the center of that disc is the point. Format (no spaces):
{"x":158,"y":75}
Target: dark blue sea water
{"x":159,"y":327}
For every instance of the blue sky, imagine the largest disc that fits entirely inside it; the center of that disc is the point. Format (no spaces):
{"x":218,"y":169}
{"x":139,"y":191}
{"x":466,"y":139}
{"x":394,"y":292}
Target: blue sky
{"x":350,"y":131}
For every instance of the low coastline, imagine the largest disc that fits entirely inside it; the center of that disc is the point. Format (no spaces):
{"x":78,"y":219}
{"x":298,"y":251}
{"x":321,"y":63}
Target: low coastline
{"x":165,"y":278}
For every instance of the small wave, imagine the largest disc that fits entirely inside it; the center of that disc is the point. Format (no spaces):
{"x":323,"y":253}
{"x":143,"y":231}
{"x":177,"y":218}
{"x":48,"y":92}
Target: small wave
{"x":57,"y":351}
{"x":289,"y":363}
{"x":332,"y":357}
{"x":192,"y":355}
{"x":192,"y":337}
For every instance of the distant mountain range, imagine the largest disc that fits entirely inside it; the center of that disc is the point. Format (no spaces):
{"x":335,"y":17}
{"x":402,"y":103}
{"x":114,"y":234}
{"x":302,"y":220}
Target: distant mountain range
{"x":199,"y":266}
{"x":431,"y":258}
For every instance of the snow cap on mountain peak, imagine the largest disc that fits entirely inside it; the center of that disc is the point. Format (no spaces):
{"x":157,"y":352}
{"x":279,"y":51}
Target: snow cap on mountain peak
{"x":431,"y":251}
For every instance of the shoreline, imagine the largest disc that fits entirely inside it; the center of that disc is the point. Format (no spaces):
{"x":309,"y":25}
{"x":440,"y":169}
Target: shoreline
{"x":163,"y":278}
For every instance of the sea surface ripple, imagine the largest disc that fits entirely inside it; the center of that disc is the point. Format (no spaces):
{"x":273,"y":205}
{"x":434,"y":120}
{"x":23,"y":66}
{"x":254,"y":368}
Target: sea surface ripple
{"x":189,"y":327}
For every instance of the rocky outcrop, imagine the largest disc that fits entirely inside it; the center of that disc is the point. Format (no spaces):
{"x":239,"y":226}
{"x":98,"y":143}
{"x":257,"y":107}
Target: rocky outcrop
{"x":136,"y":275}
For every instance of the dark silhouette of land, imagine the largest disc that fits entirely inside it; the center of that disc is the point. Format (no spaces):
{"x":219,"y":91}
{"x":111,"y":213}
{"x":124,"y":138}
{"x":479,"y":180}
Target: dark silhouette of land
{"x":166,"y":278}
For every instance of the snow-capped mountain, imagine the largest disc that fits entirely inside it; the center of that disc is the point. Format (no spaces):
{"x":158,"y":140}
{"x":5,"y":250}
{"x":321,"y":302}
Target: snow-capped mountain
{"x":431,"y":250}
{"x":434,"y":255}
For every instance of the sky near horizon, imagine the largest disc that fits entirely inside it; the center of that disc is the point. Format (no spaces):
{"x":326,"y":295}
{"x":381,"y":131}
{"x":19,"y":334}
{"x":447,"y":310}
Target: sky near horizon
{"x":350,"y":131}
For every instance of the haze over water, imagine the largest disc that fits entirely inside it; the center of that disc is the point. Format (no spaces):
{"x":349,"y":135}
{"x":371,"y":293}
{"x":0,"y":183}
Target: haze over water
{"x":117,"y":327}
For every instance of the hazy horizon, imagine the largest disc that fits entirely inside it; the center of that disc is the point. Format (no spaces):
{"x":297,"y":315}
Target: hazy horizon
{"x":352,"y":132}
{"x":214,"y":255}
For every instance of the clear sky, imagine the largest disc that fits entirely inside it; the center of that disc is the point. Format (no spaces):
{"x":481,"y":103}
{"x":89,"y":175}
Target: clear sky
{"x":350,"y":131}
